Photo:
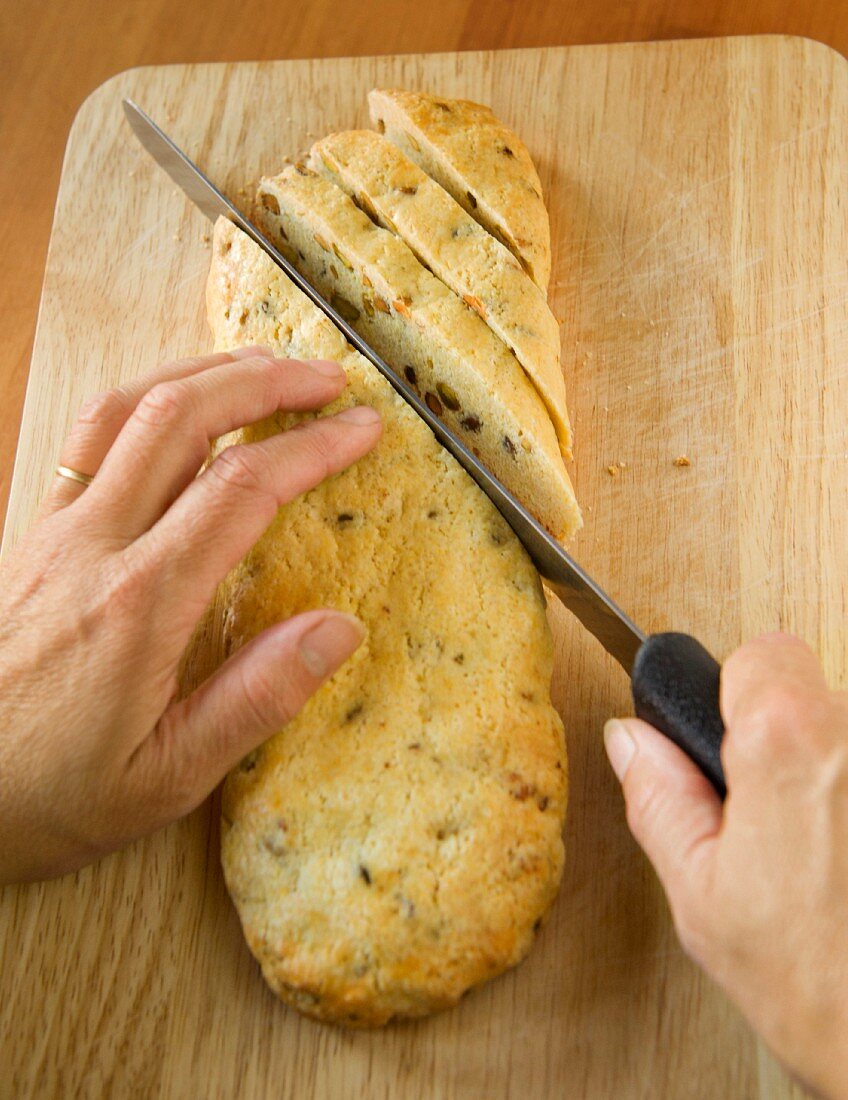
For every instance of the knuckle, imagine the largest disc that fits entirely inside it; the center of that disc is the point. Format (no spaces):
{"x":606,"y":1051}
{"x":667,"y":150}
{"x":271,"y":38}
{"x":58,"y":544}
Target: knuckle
{"x":690,"y":929}
{"x":643,"y":806}
{"x":183,"y":793}
{"x":240,"y":467}
{"x":264,"y":701}
{"x":765,"y":650}
{"x":104,"y":406}
{"x":775,"y":718}
{"x":170,"y":782}
{"x":166,"y":404}
{"x":781,"y":705}
{"x":178,"y":790}
{"x":126,"y":585}
{"x":735,"y":663}
{"x":319,"y":447}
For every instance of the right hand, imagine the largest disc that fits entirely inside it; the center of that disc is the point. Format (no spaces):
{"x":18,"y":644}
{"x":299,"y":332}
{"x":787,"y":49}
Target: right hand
{"x":758,"y":887}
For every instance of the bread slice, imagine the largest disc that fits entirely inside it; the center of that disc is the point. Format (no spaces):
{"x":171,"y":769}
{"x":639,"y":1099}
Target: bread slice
{"x":481,"y":162}
{"x":445,"y":350}
{"x":398,"y":195}
{"x":399,"y":841}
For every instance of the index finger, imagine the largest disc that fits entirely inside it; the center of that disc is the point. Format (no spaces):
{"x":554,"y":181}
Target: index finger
{"x":769,"y":664}
{"x":774,"y":700}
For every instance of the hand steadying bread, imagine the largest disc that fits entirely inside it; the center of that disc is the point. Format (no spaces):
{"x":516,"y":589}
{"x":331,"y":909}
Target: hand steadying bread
{"x":100,"y":598}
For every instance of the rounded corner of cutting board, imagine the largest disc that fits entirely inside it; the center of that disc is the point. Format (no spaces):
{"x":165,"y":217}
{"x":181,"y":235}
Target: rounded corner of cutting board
{"x":821,"y":50}
{"x":797,"y":49}
{"x":91,"y":103}
{"x":114,"y":87}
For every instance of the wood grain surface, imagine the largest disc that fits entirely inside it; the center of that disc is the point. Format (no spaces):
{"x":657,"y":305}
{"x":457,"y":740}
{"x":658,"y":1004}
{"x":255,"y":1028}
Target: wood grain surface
{"x":699,"y":270}
{"x":52,"y":55}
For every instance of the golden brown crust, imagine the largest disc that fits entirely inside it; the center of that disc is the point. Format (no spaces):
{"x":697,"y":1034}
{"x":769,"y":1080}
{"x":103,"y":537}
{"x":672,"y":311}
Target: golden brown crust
{"x":400,"y":839}
{"x":399,"y":196}
{"x":479,"y":160}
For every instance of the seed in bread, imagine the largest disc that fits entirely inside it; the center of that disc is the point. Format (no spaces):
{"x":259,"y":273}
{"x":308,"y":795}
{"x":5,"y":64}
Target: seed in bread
{"x":400,"y":840}
{"x":447,"y":352}
{"x":480,"y":161}
{"x":399,"y":196}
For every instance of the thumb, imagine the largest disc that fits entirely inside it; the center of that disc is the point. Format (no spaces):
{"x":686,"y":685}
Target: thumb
{"x":253,"y":695}
{"x":672,"y":809}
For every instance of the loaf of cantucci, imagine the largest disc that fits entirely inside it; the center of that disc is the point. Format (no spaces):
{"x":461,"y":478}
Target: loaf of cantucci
{"x":400,"y":840}
{"x":465,"y":373}
{"x":399,"y":196}
{"x":482,"y":163}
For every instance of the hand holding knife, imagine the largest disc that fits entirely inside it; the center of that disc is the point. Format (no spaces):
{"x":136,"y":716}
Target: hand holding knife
{"x":675,"y":681}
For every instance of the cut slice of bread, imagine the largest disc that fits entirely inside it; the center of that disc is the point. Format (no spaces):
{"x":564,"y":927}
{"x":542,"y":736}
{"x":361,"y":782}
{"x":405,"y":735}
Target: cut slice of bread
{"x":444,"y":349}
{"x":398,"y":195}
{"x":481,"y":162}
{"x":399,"y":841}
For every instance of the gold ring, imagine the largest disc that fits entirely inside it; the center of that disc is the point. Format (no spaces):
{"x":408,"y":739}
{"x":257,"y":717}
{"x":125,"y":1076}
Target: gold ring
{"x":74,"y":475}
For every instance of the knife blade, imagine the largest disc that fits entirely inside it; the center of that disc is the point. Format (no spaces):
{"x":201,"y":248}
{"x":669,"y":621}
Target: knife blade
{"x":674,"y":679}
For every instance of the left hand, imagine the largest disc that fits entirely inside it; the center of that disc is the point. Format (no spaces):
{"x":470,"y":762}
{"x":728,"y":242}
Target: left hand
{"x":100,"y":598}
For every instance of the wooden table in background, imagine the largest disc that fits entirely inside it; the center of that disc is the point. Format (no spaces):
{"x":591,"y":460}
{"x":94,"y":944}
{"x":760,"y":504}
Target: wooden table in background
{"x":52,"y":55}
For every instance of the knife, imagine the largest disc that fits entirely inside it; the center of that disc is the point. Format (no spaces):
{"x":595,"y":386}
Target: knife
{"x":675,"y":680}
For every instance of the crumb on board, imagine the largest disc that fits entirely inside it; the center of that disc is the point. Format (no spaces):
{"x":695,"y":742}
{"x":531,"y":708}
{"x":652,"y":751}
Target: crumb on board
{"x":613,"y":471}
{"x":682,"y":460}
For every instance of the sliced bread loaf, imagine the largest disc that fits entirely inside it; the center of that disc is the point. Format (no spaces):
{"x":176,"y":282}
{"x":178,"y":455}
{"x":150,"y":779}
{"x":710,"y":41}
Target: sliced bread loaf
{"x":445,"y":350}
{"x":398,"y":195}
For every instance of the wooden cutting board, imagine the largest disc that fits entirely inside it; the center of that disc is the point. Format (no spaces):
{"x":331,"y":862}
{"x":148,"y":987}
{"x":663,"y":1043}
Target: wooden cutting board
{"x":700,"y":273}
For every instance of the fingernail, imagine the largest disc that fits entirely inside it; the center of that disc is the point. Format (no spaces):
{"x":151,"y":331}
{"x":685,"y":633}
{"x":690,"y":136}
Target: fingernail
{"x":359,"y":414}
{"x":252,"y":352}
{"x":325,"y":366}
{"x":329,"y":644}
{"x":620,"y":746}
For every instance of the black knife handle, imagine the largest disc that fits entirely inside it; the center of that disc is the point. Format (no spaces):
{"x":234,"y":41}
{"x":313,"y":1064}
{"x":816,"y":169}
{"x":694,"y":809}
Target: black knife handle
{"x":676,"y":689}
